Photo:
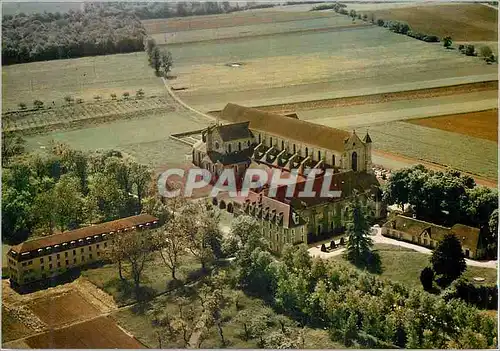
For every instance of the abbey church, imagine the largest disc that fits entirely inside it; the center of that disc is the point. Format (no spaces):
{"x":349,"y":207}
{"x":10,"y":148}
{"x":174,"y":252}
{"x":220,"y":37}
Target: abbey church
{"x":250,"y":138}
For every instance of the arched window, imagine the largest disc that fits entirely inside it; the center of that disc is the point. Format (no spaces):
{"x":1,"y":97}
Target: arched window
{"x":239,"y":146}
{"x":294,"y":149}
{"x":319,"y":155}
{"x":229,"y":147}
{"x":259,"y":139}
{"x":354,"y":161}
{"x":270,"y":141}
{"x":307,"y":152}
{"x":282,"y":145}
{"x":333,"y":160}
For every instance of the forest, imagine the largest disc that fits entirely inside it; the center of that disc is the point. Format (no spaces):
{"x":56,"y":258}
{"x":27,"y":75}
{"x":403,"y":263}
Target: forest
{"x":100,"y":29}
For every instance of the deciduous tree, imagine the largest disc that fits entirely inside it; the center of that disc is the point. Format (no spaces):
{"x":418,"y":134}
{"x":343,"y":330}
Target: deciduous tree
{"x":448,"y":260}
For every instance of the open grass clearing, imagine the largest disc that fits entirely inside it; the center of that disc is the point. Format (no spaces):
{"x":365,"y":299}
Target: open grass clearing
{"x":51,"y":81}
{"x":472,"y":22}
{"x":404,"y":265}
{"x":462,"y":152}
{"x":156,"y":278}
{"x":145,"y":138}
{"x":482,"y":124}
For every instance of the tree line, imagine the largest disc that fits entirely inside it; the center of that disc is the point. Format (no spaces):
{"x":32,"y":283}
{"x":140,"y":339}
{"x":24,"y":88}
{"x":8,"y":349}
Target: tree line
{"x":159,"y":59}
{"x":97,"y":30}
{"x":357,"y":308}
{"x":446,"y":198}
{"x":65,"y":189}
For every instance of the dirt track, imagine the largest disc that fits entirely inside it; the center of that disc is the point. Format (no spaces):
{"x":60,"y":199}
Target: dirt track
{"x":380,"y":98}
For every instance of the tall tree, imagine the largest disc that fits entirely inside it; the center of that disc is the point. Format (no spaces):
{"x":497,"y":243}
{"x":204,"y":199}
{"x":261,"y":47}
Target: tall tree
{"x":166,"y":63}
{"x":155,"y":60}
{"x":68,"y":205}
{"x":358,"y":230}
{"x":448,"y":260}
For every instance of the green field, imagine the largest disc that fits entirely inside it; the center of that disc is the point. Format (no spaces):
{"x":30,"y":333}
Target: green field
{"x":404,"y":265}
{"x":313,"y":65}
{"x":51,"y":81}
{"x":462,"y":152}
{"x":145,"y":138}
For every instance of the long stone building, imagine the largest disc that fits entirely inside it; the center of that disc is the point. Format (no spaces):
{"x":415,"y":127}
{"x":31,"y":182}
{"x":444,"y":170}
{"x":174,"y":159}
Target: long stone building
{"x":253,"y":138}
{"x":49,"y":256}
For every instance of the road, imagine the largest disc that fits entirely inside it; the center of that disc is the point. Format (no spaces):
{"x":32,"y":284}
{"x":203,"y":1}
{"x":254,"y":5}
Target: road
{"x":378,"y":238}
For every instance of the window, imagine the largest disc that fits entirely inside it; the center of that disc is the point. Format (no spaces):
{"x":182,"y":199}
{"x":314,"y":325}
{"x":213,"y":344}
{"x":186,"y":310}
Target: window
{"x":42,"y":268}
{"x":58,"y":264}
{"x":65,"y":254}
{"x":333,"y":160}
{"x":50,"y":265}
{"x":319,"y":155}
{"x":239,"y":146}
{"x":90,"y":256}
{"x":270,"y":141}
{"x":105,"y":244}
{"x":307,"y":152}
{"x":83,"y":258}
{"x":282,"y":145}
{"x":41,"y":260}
{"x":98,"y":254}
{"x":24,"y":264}
{"x":229,"y":148}
{"x":74,"y":252}
{"x":81,"y":250}
{"x":90,"y":248}
{"x":58,"y":256}
{"x":30,"y":262}
{"x":97,"y":246}
{"x":74,"y":260}
{"x":67,"y":262}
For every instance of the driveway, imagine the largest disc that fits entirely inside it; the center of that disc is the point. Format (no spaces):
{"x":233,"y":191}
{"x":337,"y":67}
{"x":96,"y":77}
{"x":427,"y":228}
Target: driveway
{"x":378,"y":238}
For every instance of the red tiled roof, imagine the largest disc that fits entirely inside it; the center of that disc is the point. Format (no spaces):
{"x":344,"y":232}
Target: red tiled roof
{"x":82,"y":233}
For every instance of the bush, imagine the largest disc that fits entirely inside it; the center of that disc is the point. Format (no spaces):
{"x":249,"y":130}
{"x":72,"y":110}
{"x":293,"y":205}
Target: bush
{"x":332,"y":245}
{"x":139,"y":94}
{"x":470,"y":50}
{"x":323,"y":248}
{"x":126,"y":95}
{"x":79,"y":100}
{"x":113,"y":96}
{"x":427,"y":278}
{"x":38,"y":104}
{"x":22,"y":105}
{"x":485,"y":297}
{"x":485,"y":51}
{"x":97,"y":97}
{"x":461,"y":48}
{"x":68,"y":98}
{"x":380,"y":22}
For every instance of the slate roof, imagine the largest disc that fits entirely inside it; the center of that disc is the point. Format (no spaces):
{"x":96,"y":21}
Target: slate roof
{"x":468,"y":236}
{"x":231,"y":158}
{"x":82,"y":233}
{"x":286,"y":127}
{"x":234,"y":131}
{"x":367,"y":138}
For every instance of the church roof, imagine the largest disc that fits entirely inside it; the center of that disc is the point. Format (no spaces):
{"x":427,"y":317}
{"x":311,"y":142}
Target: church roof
{"x":286,"y":127}
{"x":234,"y":131}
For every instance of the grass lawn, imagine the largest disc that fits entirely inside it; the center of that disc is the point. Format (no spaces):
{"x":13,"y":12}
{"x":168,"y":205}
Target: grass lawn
{"x":404,"y":265}
{"x":156,"y":278}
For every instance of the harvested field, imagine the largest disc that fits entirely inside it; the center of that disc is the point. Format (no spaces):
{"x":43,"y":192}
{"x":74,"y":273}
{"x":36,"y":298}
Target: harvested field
{"x":234,"y":19}
{"x":63,"y":309}
{"x":471,"y":22}
{"x":100,"y":333}
{"x":12,"y":327}
{"x":482,"y":124}
{"x":51,"y":81}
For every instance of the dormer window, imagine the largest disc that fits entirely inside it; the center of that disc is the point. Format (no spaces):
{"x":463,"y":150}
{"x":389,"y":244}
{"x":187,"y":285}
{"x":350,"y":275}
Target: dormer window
{"x":216,"y":144}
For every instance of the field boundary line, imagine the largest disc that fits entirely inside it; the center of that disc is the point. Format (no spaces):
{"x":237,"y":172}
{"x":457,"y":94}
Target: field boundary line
{"x":182,"y":103}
